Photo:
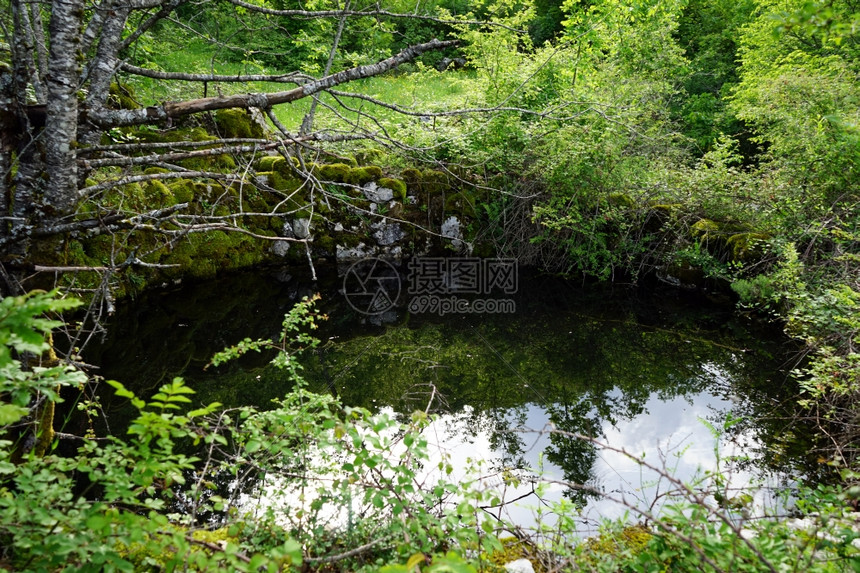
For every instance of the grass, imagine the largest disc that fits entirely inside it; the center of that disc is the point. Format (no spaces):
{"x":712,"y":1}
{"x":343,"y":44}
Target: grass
{"x":418,"y":90}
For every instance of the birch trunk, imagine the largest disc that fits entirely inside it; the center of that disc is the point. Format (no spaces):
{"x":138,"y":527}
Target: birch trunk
{"x":61,"y":120}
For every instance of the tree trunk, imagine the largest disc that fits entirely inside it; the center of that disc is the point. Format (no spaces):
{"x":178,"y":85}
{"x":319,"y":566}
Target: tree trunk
{"x":61,"y":119}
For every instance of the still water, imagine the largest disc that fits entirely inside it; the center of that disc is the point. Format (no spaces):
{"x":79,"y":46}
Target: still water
{"x":648,"y":373}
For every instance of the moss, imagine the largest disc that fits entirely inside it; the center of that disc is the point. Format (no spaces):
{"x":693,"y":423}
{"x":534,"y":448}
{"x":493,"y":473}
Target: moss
{"x":620,"y":200}
{"x":145,"y":556}
{"x":411,"y":176}
{"x":271,"y":179}
{"x":746,"y":247}
{"x":337,"y":172}
{"x":130,"y":196}
{"x":173,"y":135}
{"x":99,"y":249}
{"x":513,"y":549}
{"x":121,"y":96}
{"x":461,"y":204}
{"x":325,"y":243}
{"x":203,"y":255}
{"x":155,"y":170}
{"x":183,"y":190}
{"x":363,"y":175}
{"x":268,"y":162}
{"x":432,"y":177}
{"x":396,"y":185}
{"x":628,"y":541}
{"x":220,"y":162}
{"x":366,"y":156}
{"x":703,"y":228}
{"x":157,"y":194}
{"x":237,"y":122}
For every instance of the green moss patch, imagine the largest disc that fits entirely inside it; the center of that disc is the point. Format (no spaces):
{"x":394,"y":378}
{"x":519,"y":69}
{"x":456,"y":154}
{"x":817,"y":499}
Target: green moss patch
{"x":363,"y":175}
{"x":396,"y":185}
{"x":237,"y":122}
{"x":121,"y":96}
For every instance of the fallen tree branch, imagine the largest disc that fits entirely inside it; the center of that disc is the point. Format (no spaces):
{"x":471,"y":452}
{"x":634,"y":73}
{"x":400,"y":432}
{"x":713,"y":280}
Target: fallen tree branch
{"x":107,"y":118}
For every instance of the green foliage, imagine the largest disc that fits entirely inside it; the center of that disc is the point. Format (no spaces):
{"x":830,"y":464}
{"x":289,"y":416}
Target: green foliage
{"x":24,"y":332}
{"x":155,"y":486}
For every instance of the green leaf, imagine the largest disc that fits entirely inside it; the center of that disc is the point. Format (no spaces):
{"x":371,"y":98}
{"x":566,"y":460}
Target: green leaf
{"x":9,"y":413}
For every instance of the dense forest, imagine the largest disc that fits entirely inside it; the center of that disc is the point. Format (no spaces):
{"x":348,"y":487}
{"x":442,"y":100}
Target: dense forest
{"x":707,"y":144}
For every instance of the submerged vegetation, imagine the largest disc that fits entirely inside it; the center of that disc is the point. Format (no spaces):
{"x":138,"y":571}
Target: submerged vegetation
{"x":708,"y":144}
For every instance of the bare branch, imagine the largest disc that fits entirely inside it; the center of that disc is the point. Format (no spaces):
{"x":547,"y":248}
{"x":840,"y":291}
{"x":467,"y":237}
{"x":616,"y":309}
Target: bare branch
{"x":113,"y":118}
{"x":292,"y":77}
{"x":373,"y":13}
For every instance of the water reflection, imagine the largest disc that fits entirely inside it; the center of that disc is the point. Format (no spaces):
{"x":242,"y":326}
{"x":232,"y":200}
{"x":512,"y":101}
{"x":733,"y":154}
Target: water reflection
{"x":635,"y":369}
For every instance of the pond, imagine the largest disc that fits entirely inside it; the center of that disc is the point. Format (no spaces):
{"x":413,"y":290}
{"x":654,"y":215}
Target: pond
{"x":653,"y":372}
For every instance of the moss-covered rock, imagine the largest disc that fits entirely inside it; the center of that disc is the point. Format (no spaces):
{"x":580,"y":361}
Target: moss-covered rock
{"x":746,"y":247}
{"x":514,"y":549}
{"x":396,"y":185}
{"x":362,"y":175}
{"x":277,"y":181}
{"x":157,"y":194}
{"x":630,"y":540}
{"x":411,"y":176}
{"x":220,"y":162}
{"x":704,"y":228}
{"x":337,"y":172}
{"x":269,"y":162}
{"x":236,"y":122}
{"x":461,"y":204}
{"x":183,"y":190}
{"x":622,"y":200}
{"x":175,"y":135}
{"x":367,"y":156}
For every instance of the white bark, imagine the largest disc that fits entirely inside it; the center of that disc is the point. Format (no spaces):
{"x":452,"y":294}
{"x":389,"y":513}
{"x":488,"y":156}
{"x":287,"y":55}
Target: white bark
{"x":61,"y":120}
{"x":106,"y":61}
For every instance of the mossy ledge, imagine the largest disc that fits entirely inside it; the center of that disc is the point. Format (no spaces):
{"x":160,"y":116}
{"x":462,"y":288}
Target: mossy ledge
{"x":333,"y":206}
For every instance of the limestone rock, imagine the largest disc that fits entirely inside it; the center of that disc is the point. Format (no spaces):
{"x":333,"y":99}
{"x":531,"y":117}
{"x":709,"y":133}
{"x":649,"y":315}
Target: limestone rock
{"x":280,"y":248}
{"x":302,"y":228}
{"x":387,"y":233}
{"x":376,"y":194}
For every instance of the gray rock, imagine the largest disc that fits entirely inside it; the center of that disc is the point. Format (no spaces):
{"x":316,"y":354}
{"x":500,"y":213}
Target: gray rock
{"x":338,"y":228}
{"x":388,"y":233}
{"x":376,"y":194}
{"x":361,"y":251}
{"x":451,"y":228}
{"x":287,"y":231}
{"x":302,"y":228}
{"x":280,"y":248}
